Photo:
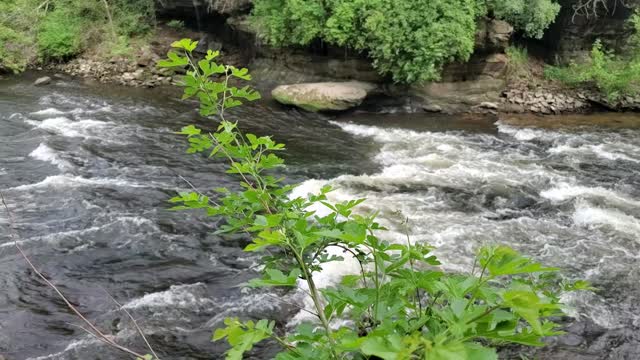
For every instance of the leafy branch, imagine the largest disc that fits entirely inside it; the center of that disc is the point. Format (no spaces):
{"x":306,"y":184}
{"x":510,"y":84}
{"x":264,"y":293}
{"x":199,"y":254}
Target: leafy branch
{"x":400,"y":305}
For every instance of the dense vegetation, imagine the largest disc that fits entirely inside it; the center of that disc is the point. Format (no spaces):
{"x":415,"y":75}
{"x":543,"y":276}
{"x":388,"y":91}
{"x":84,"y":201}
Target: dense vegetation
{"x":409,"y":40}
{"x":55,"y":30}
{"x":401,"y":305}
{"x":613,"y":75}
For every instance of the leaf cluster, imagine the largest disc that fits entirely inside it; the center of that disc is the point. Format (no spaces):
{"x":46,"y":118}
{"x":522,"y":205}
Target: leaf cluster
{"x":400,"y":305}
{"x":612,"y":75}
{"x":410,"y":41}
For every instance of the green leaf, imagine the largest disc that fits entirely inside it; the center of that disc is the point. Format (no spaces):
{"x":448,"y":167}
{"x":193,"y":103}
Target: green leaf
{"x":502,"y":260}
{"x":190,"y":130}
{"x":386,"y":347}
{"x":275,"y":277}
{"x":185,"y":44}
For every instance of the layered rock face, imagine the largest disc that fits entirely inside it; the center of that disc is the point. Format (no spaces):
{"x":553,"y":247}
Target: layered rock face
{"x":481,"y":79}
{"x":573,"y":33}
{"x":189,"y":7}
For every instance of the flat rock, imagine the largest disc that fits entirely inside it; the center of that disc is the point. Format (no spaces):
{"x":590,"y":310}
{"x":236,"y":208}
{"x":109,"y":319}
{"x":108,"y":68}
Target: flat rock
{"x":326,"y":96}
{"x":45,"y":80}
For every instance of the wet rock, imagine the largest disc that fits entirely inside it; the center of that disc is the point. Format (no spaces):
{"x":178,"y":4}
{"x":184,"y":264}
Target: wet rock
{"x":327,"y":96}
{"x":207,"y":43}
{"x":432,"y":108}
{"x":489,"y":105}
{"x":45,"y":80}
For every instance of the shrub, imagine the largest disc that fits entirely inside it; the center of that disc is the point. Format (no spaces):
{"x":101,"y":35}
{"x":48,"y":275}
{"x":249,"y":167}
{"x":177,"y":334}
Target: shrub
{"x":16,"y":34}
{"x":133,"y":18}
{"x":409,"y":40}
{"x":176,"y":24}
{"x":532,"y":17}
{"x":614,"y":76}
{"x":400,"y":305}
{"x":13,"y":50}
{"x":59,"y":36}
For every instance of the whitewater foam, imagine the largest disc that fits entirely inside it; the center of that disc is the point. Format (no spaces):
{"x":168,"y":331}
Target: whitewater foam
{"x":588,"y":215}
{"x":567,"y":191}
{"x":62,"y":181}
{"x":177,"y":296}
{"x":44,"y":153}
{"x":48,"y":112}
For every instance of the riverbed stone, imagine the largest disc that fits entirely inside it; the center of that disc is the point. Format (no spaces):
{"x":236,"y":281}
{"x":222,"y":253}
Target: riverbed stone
{"x":45,"y":80}
{"x":325,"y":96}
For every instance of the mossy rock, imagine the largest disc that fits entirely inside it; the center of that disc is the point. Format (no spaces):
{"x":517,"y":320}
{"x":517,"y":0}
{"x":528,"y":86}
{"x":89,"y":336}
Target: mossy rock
{"x":326,"y":96}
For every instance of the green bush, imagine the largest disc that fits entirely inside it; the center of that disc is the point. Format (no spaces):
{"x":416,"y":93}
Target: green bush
{"x":409,"y":40}
{"x":60,"y":29}
{"x":133,"y":18}
{"x":16,"y":34}
{"x":532,"y":17}
{"x":614,"y":76}
{"x":400,"y":305}
{"x":59,"y":36}
{"x":176,"y":24}
{"x":13,"y":48}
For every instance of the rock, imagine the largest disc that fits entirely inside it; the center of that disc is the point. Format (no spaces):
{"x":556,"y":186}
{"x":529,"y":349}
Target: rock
{"x":499,"y":33}
{"x":138,"y":74}
{"x":432,"y":108}
{"x":225,"y":7}
{"x":45,"y":80}
{"x":489,"y":105}
{"x":512,"y":108}
{"x":207,"y":43}
{"x":327,"y":96}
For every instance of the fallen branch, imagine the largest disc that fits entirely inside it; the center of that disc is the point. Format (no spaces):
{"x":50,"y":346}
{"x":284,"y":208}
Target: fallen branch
{"x":93,"y":330}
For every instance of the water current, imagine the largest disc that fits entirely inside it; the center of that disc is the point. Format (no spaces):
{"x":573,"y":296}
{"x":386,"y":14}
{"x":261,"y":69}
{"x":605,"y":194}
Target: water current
{"x":87,"y":169}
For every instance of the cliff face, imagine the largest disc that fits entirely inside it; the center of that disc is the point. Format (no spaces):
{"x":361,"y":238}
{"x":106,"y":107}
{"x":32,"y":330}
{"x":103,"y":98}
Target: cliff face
{"x":574,"y":31}
{"x":200,"y":7}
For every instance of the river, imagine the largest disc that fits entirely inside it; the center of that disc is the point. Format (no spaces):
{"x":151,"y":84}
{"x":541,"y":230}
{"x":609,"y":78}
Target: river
{"x":87,"y":170}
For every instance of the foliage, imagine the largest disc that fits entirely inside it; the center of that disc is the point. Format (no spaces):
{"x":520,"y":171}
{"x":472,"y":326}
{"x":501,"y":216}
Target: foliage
{"x":409,"y":40}
{"x":59,"y":29}
{"x":59,"y":36}
{"x":176,"y":24}
{"x":12,"y":50}
{"x":532,"y":17}
{"x":16,"y":33}
{"x":519,"y":66}
{"x":401,"y":305}
{"x":614,"y":76}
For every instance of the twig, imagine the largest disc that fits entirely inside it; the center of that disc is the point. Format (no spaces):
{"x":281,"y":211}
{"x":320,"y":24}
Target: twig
{"x":96,"y":332}
{"x":135,"y":324}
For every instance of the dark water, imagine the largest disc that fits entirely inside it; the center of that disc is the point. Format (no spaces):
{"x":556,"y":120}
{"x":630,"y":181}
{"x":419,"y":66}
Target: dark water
{"x":87,"y":170}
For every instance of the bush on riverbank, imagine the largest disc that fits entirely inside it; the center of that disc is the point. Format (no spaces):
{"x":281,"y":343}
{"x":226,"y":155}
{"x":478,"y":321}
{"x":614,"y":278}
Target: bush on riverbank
{"x":614,"y":75}
{"x":55,"y":30}
{"x":409,"y":40}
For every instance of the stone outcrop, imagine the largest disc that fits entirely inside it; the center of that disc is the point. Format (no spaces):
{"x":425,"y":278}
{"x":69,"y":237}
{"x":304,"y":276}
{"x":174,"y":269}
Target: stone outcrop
{"x":493,"y":35}
{"x":191,"y":7}
{"x":571,"y":37}
{"x":327,"y":96}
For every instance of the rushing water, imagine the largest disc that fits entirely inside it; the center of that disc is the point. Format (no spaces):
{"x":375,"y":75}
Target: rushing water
{"x":87,"y":171}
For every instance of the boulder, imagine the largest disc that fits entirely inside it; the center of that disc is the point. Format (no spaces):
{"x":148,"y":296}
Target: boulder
{"x":326,"y":96}
{"x":499,"y":33}
{"x":45,"y":80}
{"x":432,"y":108}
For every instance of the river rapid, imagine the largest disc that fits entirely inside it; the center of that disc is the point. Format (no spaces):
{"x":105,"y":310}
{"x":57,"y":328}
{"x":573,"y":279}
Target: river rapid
{"x":87,"y":170}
